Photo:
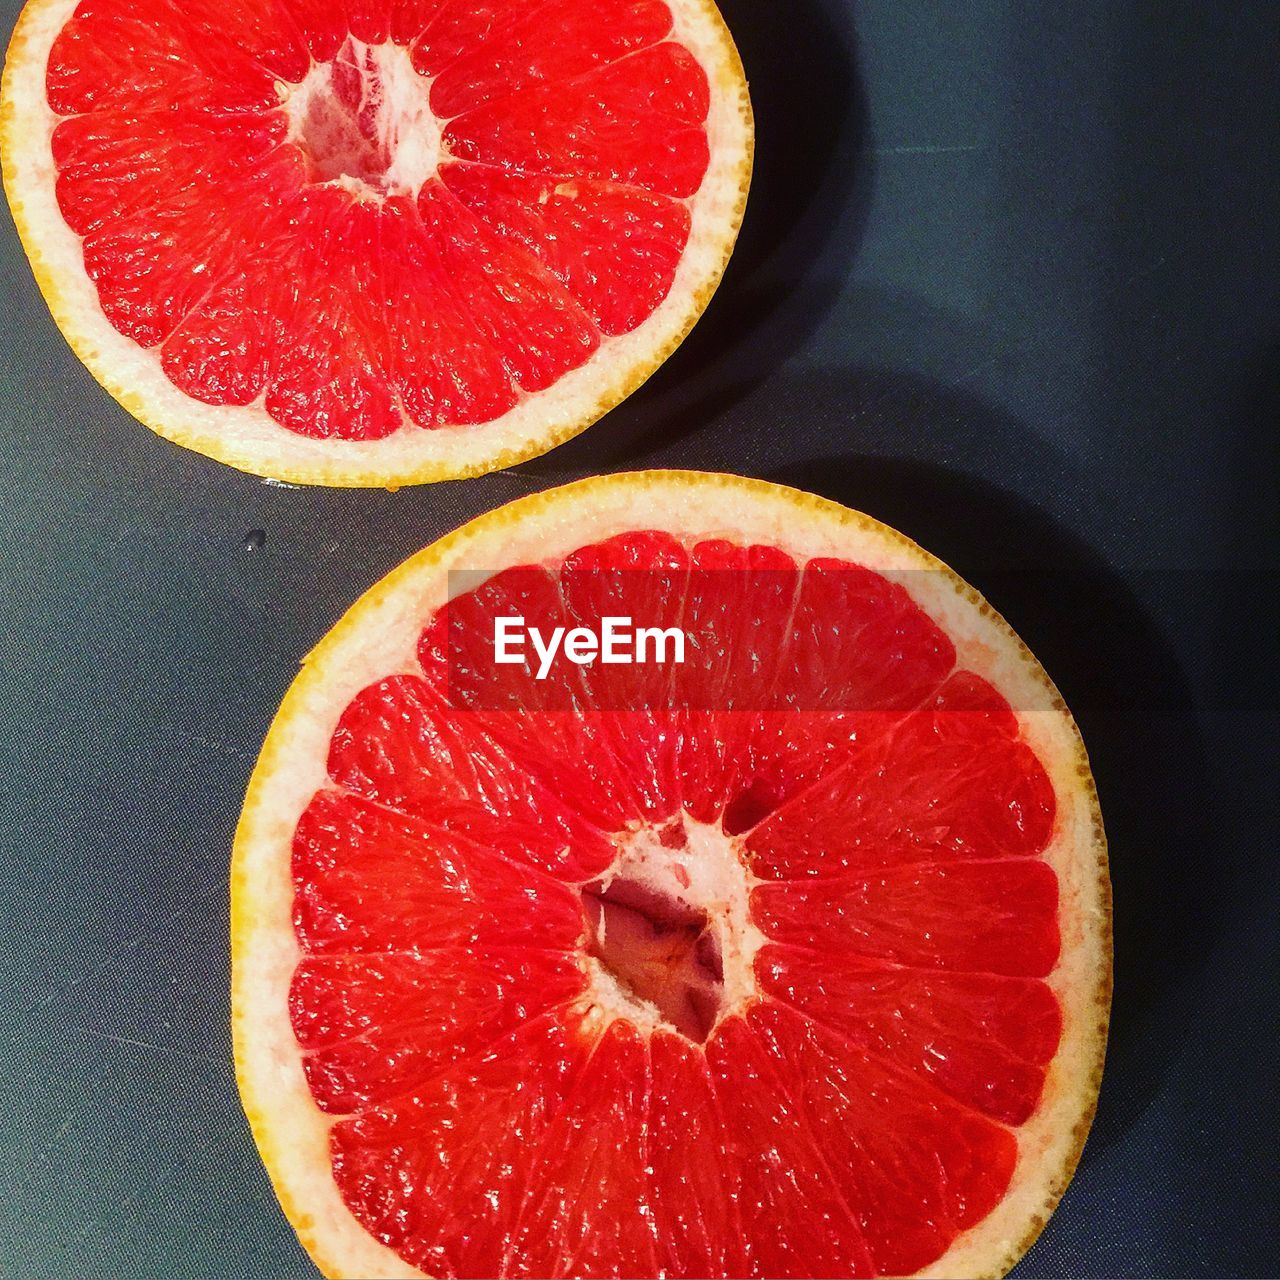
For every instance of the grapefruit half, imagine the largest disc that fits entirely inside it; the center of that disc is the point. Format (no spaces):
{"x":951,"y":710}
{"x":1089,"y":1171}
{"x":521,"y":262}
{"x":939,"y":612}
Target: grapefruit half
{"x":789,"y":959}
{"x":379,"y":242}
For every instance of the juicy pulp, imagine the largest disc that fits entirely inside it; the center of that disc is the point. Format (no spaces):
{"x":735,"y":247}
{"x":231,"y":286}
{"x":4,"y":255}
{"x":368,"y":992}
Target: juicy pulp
{"x":839,"y":1094}
{"x":377,"y":216}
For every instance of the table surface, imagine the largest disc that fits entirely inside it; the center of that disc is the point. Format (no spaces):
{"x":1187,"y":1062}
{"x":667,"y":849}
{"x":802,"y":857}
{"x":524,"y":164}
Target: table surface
{"x":1008,"y":281}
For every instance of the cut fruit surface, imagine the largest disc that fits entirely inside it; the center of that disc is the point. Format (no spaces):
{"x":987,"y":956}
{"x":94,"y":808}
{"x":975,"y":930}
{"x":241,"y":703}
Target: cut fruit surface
{"x":381,"y":243}
{"x":788,"y":959}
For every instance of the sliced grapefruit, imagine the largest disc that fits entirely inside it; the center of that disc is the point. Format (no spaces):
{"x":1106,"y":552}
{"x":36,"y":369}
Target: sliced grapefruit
{"x":376,"y":243}
{"x":791,"y":959}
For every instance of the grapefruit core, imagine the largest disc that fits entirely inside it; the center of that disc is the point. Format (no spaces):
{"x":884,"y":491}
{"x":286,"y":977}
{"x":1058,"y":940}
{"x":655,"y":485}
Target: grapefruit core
{"x":790,"y":960}
{"x":381,"y":243}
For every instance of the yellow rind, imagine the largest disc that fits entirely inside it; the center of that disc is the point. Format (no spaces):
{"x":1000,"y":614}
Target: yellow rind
{"x":582,"y":495}
{"x":338,"y":475}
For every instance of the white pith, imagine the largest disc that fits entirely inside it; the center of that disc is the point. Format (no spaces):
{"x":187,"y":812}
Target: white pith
{"x":708,"y":873}
{"x":399,"y":98}
{"x":246,"y":436}
{"x":378,"y":637}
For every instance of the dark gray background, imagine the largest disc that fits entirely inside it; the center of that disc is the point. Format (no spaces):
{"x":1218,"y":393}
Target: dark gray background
{"x":1008,"y":281}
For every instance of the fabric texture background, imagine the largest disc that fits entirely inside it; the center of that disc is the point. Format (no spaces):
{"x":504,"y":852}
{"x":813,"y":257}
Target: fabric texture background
{"x":1008,"y":281}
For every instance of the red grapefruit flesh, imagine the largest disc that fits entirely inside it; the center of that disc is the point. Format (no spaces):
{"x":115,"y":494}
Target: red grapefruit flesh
{"x":380,"y":243}
{"x":789,"y":960}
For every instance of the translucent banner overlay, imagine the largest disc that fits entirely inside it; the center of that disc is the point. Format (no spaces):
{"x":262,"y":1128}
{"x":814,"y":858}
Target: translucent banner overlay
{"x":830,"y":638}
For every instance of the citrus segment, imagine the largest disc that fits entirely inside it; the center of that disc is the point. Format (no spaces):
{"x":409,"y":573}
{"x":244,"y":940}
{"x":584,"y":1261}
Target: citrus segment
{"x":637,"y":122}
{"x":997,"y":917}
{"x":477,"y":53}
{"x":795,"y":1217}
{"x":914,"y":1169}
{"x":370,"y":880}
{"x":786,"y":960}
{"x":592,"y":1152}
{"x":694,"y":1183}
{"x":615,"y":248}
{"x":462,"y":1137}
{"x":380,"y":242}
{"x":983,"y":1038}
{"x":375,"y":1026}
{"x":941,"y":784}
{"x":398,"y":746}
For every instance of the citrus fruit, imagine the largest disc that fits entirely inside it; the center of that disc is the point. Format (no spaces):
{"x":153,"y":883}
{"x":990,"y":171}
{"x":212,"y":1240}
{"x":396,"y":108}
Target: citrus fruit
{"x":378,"y":242}
{"x":785,"y":955}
